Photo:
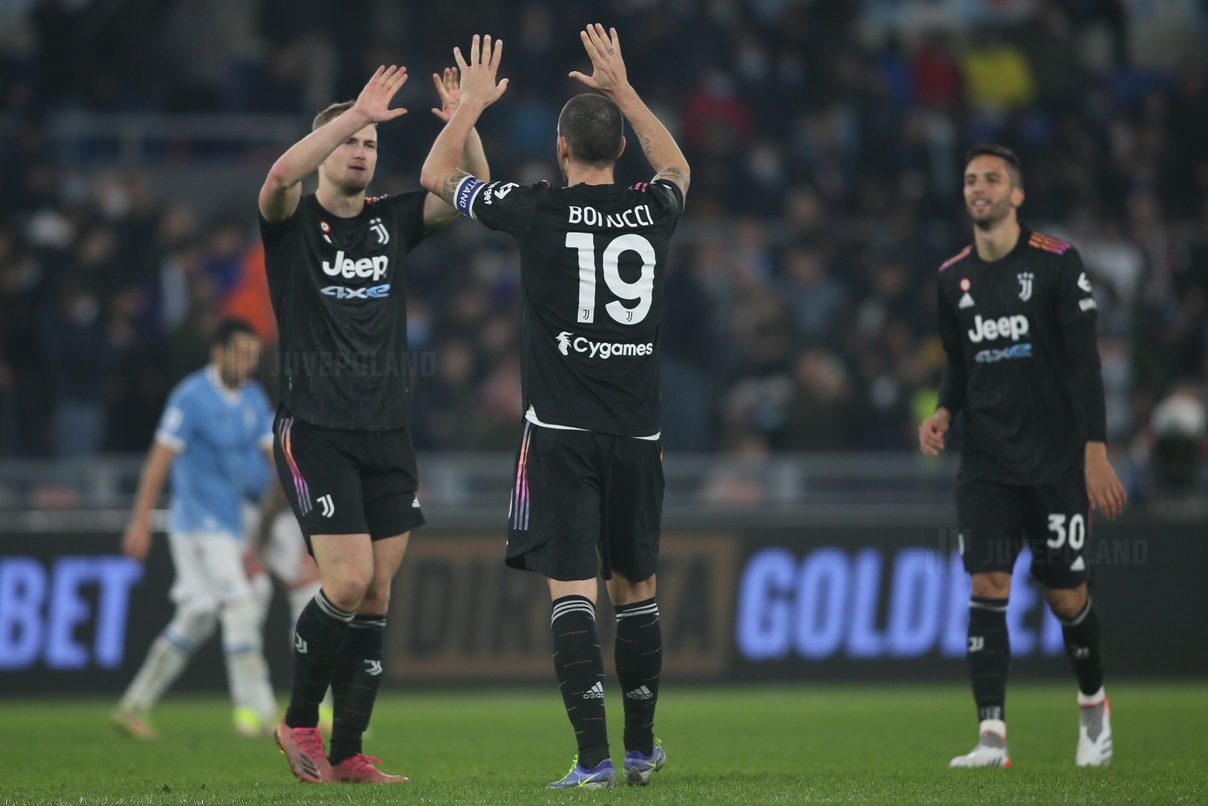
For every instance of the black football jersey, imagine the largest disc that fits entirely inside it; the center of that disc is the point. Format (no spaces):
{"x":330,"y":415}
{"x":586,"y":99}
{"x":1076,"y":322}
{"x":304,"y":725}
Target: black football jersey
{"x":1023,"y":362}
{"x":593,"y":263}
{"x":338,"y":290}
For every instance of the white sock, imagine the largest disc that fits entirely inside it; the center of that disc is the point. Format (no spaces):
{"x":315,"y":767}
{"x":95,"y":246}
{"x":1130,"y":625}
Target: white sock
{"x":1089,"y":700}
{"x":262,"y":594}
{"x":163,"y":664}
{"x":247,"y":674}
{"x":996,"y":726}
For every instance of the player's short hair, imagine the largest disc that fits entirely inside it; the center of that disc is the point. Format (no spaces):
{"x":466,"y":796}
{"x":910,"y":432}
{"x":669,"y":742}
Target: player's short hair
{"x":592,"y":126}
{"x":1014,"y":168}
{"x":331,"y":113}
{"x":228,"y":329}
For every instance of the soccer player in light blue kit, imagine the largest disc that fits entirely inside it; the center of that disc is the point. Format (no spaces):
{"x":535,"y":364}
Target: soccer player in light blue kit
{"x":216,"y":437}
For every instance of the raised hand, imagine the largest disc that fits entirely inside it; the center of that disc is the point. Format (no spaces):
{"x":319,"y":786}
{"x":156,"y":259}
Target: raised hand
{"x":608,"y":68}
{"x":478,"y":75}
{"x":374,"y":100}
{"x":448,"y":87}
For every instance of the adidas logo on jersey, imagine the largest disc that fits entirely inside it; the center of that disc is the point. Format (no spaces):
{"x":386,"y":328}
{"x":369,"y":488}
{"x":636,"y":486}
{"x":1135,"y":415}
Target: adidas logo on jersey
{"x":600,"y":349}
{"x":596,"y":692}
{"x":367,"y":267}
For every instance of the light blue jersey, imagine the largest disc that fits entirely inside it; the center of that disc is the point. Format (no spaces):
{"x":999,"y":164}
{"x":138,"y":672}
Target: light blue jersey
{"x":219,"y":435}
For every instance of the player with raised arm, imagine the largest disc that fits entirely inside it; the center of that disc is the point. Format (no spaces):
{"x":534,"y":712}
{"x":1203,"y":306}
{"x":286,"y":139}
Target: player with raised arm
{"x":336,"y":272}
{"x":214,"y":438}
{"x":588,"y":490}
{"x":1017,"y":321}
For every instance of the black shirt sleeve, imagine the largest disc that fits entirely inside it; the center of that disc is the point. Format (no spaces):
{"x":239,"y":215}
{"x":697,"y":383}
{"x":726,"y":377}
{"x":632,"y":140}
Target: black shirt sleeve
{"x":274,"y":232}
{"x":953,"y":385}
{"x":670,"y":195}
{"x":407,"y":210}
{"x":504,"y":206}
{"x":1077,"y":315}
{"x":276,"y":235}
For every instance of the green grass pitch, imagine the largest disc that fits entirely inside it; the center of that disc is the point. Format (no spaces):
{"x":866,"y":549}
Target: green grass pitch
{"x":725,"y":745}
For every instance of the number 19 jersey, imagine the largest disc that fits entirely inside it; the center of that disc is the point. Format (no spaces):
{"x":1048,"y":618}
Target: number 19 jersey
{"x":593,"y":263}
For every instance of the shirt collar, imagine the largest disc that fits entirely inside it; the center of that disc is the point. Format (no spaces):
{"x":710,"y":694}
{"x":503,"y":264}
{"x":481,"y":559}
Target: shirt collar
{"x":230,"y":395}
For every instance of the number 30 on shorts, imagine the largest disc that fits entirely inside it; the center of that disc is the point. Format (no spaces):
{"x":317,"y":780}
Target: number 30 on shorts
{"x":1076,"y":533}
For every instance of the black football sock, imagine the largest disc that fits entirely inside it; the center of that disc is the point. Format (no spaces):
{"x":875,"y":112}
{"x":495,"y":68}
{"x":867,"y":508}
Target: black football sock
{"x":639,"y":656}
{"x":318,"y":636}
{"x":989,"y":654}
{"x":354,"y":684}
{"x":580,"y":669}
{"x":1082,"y":636}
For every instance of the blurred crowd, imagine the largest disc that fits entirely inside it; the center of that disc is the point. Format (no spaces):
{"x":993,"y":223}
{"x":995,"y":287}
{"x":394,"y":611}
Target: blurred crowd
{"x":826,"y":141}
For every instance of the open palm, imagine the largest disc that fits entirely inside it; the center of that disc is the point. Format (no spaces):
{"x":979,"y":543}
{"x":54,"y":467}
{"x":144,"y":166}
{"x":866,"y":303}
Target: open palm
{"x":478,"y":74}
{"x":374,"y":100}
{"x":608,"y":68}
{"x":448,"y":87}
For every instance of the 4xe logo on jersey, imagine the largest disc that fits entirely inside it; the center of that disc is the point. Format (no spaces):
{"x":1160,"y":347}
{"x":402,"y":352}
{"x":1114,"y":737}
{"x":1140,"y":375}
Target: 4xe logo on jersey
{"x":1004,"y":327}
{"x":568,"y":341}
{"x":368,"y":292}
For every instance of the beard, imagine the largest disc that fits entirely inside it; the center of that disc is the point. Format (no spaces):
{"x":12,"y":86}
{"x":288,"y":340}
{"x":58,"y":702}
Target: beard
{"x":349,"y":182}
{"x":997,"y":211}
{"x":355,"y":183}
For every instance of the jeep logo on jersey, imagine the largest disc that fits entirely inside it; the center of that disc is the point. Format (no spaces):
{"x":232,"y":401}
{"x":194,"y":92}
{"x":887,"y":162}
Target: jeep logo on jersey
{"x":1004,"y":327}
{"x":374,"y":267}
{"x":368,"y":292}
{"x":600,"y":349}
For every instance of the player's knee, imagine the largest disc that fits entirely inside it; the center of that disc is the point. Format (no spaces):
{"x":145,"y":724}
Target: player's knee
{"x":191,"y":627}
{"x":994,"y":585}
{"x":1066,"y":603}
{"x":623,"y":591}
{"x":376,"y":600}
{"x":348,"y":591}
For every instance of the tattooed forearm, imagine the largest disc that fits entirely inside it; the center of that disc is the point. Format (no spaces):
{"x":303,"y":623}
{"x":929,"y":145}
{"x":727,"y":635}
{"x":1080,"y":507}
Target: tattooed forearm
{"x":675,"y":175}
{"x":644,"y":142}
{"x":448,"y":188}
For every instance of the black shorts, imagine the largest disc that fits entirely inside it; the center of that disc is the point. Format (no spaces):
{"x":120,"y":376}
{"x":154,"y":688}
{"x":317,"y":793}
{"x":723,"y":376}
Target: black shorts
{"x":585,"y":504}
{"x":347,"y":482}
{"x":1054,"y":519}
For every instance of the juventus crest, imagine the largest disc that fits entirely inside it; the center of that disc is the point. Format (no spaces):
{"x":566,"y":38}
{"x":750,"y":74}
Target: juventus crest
{"x":1025,"y":285}
{"x":379,"y":229}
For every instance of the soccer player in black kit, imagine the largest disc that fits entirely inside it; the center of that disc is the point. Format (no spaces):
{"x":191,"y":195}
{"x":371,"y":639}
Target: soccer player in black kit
{"x":588,"y":487}
{"x":335,"y":262}
{"x":1017,"y":321}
